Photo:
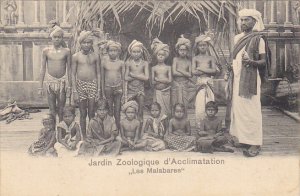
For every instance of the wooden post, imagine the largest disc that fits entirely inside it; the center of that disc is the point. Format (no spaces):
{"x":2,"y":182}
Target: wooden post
{"x":64,"y":8}
{"x":43,"y":12}
{"x":265,"y":12}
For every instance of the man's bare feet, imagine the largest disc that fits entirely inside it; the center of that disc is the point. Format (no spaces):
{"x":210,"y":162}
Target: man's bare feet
{"x":252,"y":151}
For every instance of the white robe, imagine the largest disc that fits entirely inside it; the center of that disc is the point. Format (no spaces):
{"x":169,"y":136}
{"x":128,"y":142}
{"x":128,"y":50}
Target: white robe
{"x":246,"y":116}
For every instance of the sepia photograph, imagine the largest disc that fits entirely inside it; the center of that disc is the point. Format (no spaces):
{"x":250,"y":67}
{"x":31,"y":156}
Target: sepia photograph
{"x":135,"y":98}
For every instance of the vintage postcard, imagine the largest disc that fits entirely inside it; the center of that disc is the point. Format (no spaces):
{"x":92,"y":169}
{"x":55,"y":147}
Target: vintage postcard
{"x":149,"y":97}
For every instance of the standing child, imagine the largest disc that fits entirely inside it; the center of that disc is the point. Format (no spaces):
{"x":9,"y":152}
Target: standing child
{"x":161,"y":76}
{"x":86,"y":78}
{"x":179,"y":136}
{"x":101,"y":134}
{"x":155,"y":129}
{"x":68,"y":134}
{"x":56,"y":62}
{"x":46,"y":141}
{"x":130,"y":127}
{"x":182,"y":71}
{"x":211,"y":133}
{"x":112,"y":70}
{"x":136,"y":73}
{"x":204,"y":67}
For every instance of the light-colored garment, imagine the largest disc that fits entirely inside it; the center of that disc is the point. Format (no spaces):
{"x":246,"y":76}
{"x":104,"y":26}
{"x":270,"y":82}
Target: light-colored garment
{"x":204,"y":96}
{"x":153,"y":144}
{"x":69,"y":139}
{"x":246,"y":116}
{"x":163,"y":98}
{"x":57,"y":85}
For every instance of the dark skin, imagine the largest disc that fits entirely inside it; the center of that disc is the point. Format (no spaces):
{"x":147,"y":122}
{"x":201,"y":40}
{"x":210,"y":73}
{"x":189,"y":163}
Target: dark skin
{"x":179,"y":125}
{"x":86,"y":67}
{"x":57,"y":61}
{"x":247,"y":24}
{"x":68,"y":118}
{"x":155,"y":113}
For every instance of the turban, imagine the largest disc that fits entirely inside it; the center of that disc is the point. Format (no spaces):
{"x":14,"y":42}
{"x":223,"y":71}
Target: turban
{"x":54,"y":22}
{"x":157,"y":46}
{"x":133,"y":44}
{"x":132,"y":104}
{"x":183,"y":41}
{"x":259,"y":26}
{"x":56,"y":29}
{"x":111,"y":43}
{"x":85,"y":35}
{"x":202,"y":38}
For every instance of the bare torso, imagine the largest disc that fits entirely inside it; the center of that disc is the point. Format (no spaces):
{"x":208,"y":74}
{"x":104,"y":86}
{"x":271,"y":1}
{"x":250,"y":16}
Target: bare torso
{"x":56,"y":61}
{"x":130,"y":127}
{"x":161,"y":72}
{"x":206,"y":62}
{"x":86,"y":66}
{"x":112,"y":72}
{"x":179,"y":125}
{"x":182,"y":65}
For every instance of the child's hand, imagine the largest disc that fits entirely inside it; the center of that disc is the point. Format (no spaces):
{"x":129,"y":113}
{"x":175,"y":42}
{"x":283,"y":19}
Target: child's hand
{"x":68,"y":92}
{"x":40,"y":92}
{"x":75,"y":96}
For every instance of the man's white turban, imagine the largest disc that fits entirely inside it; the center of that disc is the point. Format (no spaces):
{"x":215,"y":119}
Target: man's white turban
{"x":259,"y":26}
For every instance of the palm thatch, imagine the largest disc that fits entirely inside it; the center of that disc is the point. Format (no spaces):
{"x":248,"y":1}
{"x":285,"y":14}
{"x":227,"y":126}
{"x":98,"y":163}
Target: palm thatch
{"x":155,"y":15}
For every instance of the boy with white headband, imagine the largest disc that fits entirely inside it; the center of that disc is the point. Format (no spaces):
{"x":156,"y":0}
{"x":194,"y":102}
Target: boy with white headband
{"x":86,"y":78}
{"x":249,"y":66}
{"x":56,"y":65}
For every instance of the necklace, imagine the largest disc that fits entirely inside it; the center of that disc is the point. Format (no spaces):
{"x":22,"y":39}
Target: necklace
{"x":137,"y":64}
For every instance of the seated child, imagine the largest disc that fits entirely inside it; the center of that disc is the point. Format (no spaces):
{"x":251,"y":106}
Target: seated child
{"x":101,"y":134}
{"x":45,"y":144}
{"x":179,"y":136}
{"x":130,"y":127}
{"x":69,"y":134}
{"x":155,"y":128}
{"x":212,"y":137}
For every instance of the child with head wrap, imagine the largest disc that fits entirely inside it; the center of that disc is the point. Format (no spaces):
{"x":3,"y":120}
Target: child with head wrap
{"x":56,"y":71}
{"x":182,"y":71}
{"x":112,"y":80}
{"x":136,"y":73}
{"x":161,"y":76}
{"x":46,"y":141}
{"x":130,"y":127}
{"x":204,"y":68}
{"x":86,"y":78}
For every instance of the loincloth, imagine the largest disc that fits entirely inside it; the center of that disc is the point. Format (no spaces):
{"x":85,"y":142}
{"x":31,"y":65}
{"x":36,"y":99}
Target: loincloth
{"x":86,"y":89}
{"x":135,"y":88}
{"x":56,"y":85}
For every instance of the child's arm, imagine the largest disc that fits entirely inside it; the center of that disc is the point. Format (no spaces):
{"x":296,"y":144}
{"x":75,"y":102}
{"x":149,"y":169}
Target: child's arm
{"x":153,"y":76}
{"x":60,"y":140}
{"x":208,"y":69}
{"x":42,"y":71}
{"x":102,"y":71}
{"x":98,"y":64}
{"x":122,"y":133}
{"x":123,"y":75}
{"x":69,"y":91}
{"x":144,"y":76}
{"x":170,"y":128}
{"x":127,"y":68}
{"x":202,"y":131}
{"x":165,"y":81}
{"x":51,"y":143}
{"x":188,"y":127}
{"x":176,"y":72}
{"x":74,"y":73}
{"x":137,"y":131}
{"x":194,"y":65}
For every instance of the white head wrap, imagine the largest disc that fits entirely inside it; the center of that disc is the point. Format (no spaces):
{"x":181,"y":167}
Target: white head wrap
{"x":115,"y":44}
{"x":183,"y":41}
{"x":259,"y":26}
{"x":133,"y":44}
{"x":85,"y":35}
{"x":56,"y":29}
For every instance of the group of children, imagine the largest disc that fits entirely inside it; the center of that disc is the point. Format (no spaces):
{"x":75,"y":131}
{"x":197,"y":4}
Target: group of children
{"x":101,"y":83}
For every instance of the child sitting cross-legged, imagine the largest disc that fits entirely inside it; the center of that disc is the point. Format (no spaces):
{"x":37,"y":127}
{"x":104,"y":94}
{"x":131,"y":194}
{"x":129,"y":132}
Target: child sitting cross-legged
{"x":179,"y":136}
{"x":211,"y":135}
{"x":69,"y":134}
{"x":46,"y":141}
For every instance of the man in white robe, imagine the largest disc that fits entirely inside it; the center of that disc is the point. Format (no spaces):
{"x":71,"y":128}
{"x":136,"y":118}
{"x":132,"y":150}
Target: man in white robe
{"x":248,"y":66}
